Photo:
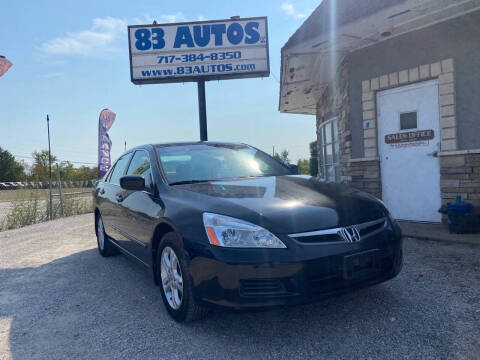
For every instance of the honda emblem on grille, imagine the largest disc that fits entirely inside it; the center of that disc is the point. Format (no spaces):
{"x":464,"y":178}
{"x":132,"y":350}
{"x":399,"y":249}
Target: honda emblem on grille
{"x":350,"y":234}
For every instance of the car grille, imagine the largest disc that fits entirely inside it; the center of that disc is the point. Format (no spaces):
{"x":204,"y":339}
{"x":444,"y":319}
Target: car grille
{"x":371,"y":228}
{"x":262,"y":287}
{"x":329,"y":236}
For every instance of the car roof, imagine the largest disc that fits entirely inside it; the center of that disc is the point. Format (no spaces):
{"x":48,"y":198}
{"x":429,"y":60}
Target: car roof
{"x":197,"y":143}
{"x":183,"y":143}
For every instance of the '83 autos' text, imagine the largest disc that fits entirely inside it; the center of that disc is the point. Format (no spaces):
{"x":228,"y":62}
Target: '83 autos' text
{"x":200,"y":36}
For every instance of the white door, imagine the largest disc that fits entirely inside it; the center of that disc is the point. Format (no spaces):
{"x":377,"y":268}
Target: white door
{"x":408,"y":142}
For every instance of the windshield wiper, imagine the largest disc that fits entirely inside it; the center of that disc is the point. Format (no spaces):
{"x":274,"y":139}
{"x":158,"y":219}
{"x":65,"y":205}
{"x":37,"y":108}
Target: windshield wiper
{"x":196,"y":181}
{"x":193,"y":181}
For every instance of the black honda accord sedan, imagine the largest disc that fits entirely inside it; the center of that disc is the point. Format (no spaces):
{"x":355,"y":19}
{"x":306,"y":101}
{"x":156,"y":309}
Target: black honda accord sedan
{"x":227,"y":225}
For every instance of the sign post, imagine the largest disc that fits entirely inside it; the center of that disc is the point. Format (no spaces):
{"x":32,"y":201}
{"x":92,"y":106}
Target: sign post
{"x":199,"y":51}
{"x":202,"y":110}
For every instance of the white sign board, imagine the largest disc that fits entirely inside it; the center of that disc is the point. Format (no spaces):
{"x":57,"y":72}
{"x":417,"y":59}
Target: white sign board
{"x":204,"y":50}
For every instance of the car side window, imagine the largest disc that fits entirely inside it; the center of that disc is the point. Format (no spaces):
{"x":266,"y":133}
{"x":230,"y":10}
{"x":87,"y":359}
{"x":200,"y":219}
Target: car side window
{"x":119,"y":169}
{"x":140,"y":165}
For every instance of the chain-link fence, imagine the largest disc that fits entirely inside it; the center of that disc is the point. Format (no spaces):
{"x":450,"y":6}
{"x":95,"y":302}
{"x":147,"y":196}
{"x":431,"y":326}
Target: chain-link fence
{"x":16,"y":185}
{"x":27,"y":204}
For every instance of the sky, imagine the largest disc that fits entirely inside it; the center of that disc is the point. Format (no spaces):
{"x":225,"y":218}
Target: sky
{"x":70,"y":60}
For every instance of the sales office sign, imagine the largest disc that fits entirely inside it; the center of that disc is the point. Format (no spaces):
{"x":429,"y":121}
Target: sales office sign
{"x":204,"y":50}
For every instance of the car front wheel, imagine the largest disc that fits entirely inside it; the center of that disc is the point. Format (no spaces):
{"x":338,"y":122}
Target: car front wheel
{"x":175,"y":281}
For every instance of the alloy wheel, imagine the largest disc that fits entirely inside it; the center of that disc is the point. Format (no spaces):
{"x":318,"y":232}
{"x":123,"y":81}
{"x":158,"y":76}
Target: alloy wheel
{"x":172,"y":280}
{"x":100,"y":234}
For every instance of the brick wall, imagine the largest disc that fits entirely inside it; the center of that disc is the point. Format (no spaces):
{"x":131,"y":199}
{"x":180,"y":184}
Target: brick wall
{"x":365,"y":176}
{"x":460,"y":175}
{"x":334,"y":103}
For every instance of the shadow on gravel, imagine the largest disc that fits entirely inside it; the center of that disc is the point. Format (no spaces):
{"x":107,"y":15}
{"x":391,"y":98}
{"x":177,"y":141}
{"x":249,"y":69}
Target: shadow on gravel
{"x":84,"y":306}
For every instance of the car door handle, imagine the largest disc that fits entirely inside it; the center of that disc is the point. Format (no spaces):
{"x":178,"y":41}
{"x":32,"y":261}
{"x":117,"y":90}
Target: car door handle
{"x":119,"y":197}
{"x":102,"y":191}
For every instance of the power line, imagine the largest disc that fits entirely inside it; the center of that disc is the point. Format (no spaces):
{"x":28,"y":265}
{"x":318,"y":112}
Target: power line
{"x":73,"y":162}
{"x":16,"y":148}
{"x":275,"y":76}
{"x":27,"y":156}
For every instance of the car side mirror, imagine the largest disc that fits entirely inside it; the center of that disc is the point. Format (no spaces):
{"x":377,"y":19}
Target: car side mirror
{"x":132,"y":182}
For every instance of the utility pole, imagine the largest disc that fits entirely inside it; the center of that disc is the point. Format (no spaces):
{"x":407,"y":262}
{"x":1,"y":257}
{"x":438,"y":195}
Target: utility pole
{"x":49,"y":167}
{"x":59,"y":182}
{"x":273,"y":151}
{"x":125,"y":145}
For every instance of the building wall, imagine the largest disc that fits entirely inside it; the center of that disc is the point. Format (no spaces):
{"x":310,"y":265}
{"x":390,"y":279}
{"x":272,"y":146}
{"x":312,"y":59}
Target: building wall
{"x":460,"y":175}
{"x":456,"y":39}
{"x":334,"y":103}
{"x":447,"y":51}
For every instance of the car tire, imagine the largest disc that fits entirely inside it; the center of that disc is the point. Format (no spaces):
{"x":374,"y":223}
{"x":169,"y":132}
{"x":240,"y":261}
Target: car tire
{"x":105,"y":246}
{"x":187,"y":309}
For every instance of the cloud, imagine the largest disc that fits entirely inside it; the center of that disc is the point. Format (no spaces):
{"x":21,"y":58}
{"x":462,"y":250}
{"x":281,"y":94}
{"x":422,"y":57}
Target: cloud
{"x":100,"y":38}
{"x":48,"y":61}
{"x":178,"y":17}
{"x":161,"y":19}
{"x":147,"y":19}
{"x":104,"y":36}
{"x":289,"y":9}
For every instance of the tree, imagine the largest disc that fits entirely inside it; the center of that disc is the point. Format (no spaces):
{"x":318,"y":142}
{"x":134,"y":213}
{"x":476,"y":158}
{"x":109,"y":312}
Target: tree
{"x":67,"y":171}
{"x":313,"y":158}
{"x":85,"y":173}
{"x":283,"y":157}
{"x":303,"y":166}
{"x":10,"y":169}
{"x":40,"y":171}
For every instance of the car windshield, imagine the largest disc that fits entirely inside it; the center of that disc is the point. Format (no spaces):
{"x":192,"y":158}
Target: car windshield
{"x":203,"y":162}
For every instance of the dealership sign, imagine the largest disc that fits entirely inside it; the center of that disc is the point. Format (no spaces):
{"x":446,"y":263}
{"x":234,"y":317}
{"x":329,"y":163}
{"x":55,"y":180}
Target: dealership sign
{"x":205,"y":50}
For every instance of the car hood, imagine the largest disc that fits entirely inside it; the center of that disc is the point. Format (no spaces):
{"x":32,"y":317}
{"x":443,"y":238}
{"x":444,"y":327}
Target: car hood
{"x":288,"y":204}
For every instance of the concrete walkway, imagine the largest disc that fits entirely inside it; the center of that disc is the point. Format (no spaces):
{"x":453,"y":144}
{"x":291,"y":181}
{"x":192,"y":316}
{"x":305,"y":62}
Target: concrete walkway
{"x":439,"y":232}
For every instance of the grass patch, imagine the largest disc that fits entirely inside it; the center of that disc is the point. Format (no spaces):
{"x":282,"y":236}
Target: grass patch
{"x":31,"y":207}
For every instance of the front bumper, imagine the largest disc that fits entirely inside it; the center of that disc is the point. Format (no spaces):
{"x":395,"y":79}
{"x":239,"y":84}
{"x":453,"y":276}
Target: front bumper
{"x":302,"y":273}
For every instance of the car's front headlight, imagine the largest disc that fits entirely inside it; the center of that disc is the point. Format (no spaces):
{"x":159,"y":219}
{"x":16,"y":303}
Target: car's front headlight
{"x":230,"y":232}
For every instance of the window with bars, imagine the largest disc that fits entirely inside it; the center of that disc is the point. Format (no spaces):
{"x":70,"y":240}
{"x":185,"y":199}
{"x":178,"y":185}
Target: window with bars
{"x":329,"y":150}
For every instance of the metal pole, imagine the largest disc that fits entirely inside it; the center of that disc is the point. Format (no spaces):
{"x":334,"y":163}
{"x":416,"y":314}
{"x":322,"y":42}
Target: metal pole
{"x":50,"y":167}
{"x":202,"y":110}
{"x":60,"y":192}
{"x":125,"y":145}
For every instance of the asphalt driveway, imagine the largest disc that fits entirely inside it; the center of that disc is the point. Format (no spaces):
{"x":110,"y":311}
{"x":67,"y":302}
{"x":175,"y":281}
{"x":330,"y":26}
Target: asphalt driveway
{"x":59,"y":299}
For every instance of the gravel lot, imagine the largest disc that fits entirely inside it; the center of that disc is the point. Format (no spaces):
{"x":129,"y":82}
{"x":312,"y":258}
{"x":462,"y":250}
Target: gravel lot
{"x":59,"y":299}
